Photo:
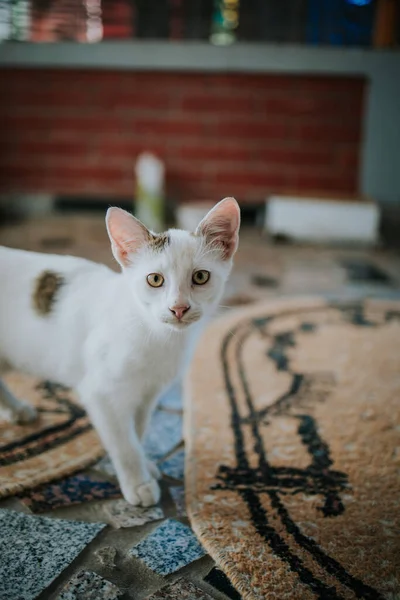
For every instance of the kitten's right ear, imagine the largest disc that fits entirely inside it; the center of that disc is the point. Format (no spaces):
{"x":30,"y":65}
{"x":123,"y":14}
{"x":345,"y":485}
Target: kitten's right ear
{"x":220,"y":227}
{"x":126,"y":233}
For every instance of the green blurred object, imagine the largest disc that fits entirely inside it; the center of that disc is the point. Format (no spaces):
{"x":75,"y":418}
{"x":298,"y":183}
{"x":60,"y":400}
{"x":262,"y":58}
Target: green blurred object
{"x":149,"y":198}
{"x":225,"y":22}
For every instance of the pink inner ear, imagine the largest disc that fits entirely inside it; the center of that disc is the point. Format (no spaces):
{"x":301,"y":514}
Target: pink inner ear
{"x":127,"y":234}
{"x":221,"y":226}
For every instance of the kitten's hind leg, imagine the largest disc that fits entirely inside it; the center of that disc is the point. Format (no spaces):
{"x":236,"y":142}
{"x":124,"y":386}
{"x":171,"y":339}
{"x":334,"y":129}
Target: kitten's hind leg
{"x":18,"y":411}
{"x":142,"y":418}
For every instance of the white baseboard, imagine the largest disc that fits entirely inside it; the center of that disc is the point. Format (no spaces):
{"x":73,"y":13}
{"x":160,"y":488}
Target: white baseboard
{"x":323,"y":220}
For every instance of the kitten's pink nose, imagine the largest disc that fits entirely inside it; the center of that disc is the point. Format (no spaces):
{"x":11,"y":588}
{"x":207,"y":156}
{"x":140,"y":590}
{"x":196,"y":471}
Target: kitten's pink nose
{"x":179,"y":310}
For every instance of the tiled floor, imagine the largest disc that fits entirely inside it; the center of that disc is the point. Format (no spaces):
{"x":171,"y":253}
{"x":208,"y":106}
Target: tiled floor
{"x":120,"y":558}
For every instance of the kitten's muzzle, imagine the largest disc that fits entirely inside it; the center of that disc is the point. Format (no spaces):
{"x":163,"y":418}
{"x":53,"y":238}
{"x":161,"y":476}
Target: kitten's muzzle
{"x":179,"y":310}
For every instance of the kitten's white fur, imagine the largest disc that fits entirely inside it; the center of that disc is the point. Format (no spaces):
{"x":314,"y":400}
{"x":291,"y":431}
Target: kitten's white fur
{"x":112,"y":336}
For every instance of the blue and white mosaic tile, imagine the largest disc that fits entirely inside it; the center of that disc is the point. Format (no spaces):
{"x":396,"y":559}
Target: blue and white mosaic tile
{"x":105,"y":467}
{"x":164,"y":433}
{"x":35,"y":550}
{"x":122,"y":514}
{"x":174,"y":466}
{"x":180,"y":590}
{"x":172,"y":398}
{"x":169,"y":548}
{"x":178,"y":496}
{"x":87,"y":585}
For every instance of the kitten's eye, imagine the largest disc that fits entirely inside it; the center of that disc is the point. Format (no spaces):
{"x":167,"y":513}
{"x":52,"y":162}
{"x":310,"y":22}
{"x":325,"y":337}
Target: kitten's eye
{"x":155,"y":279}
{"x":200,"y":277}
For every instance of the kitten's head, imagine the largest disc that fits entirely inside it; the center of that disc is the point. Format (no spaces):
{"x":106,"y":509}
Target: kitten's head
{"x":176,"y":277}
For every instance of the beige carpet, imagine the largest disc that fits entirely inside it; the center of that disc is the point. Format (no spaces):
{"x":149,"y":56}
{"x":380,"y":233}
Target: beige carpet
{"x":292,"y":431}
{"x":61,"y":442}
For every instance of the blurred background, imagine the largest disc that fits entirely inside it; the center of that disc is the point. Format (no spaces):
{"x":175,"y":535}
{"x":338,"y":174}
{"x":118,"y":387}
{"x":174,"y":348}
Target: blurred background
{"x":164,"y":107}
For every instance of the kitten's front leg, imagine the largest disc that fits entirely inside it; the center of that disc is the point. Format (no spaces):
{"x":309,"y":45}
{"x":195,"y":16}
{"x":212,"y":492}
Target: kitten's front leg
{"x":112,"y":415}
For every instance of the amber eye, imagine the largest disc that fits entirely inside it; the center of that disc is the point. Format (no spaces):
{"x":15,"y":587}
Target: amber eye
{"x":155,"y":279}
{"x":200,"y":277}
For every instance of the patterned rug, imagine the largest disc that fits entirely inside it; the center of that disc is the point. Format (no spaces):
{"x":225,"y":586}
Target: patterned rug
{"x":61,"y":442}
{"x":293,"y":451}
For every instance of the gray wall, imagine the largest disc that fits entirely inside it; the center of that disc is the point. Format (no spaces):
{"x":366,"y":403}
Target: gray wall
{"x":380,"y":173}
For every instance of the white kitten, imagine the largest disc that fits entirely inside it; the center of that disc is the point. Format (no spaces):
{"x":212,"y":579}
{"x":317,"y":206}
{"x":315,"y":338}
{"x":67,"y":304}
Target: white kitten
{"x":118,"y":338}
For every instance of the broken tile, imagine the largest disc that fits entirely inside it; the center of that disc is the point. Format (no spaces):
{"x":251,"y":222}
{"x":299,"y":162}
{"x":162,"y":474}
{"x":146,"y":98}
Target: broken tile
{"x":174,"y":466}
{"x":106,"y":556}
{"x":35,"y":550}
{"x":72,"y":490}
{"x":123,"y":514}
{"x":168,"y":548}
{"x":86,"y":585}
{"x":220,"y":582}
{"x":172,"y":398}
{"x":164,"y":433}
{"x":178,"y":496}
{"x":182,"y":589}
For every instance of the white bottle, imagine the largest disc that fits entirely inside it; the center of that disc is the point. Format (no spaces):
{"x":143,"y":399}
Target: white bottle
{"x":150,"y":175}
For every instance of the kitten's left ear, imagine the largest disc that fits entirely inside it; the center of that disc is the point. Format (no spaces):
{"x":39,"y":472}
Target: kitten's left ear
{"x":220,"y":227}
{"x":126,"y":233}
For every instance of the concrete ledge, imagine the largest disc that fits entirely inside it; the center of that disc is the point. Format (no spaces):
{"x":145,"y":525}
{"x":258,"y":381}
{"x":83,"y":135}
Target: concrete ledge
{"x":197,"y":56}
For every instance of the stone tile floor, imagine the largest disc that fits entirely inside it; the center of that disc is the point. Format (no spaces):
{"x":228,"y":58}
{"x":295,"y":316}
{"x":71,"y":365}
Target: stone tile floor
{"x":123,"y":557}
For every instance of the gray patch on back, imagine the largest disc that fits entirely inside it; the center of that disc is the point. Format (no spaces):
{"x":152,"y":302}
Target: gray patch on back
{"x":45,"y":291}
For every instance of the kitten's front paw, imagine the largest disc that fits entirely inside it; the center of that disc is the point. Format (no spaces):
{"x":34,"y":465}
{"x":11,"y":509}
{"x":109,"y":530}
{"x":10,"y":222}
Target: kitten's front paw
{"x":154,"y":470}
{"x":25,"y":414}
{"x":149,"y":493}
{"x":145,"y":494}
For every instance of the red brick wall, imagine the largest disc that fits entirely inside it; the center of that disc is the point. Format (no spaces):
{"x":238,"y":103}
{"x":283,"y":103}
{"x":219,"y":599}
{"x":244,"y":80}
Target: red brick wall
{"x":78,"y":132}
